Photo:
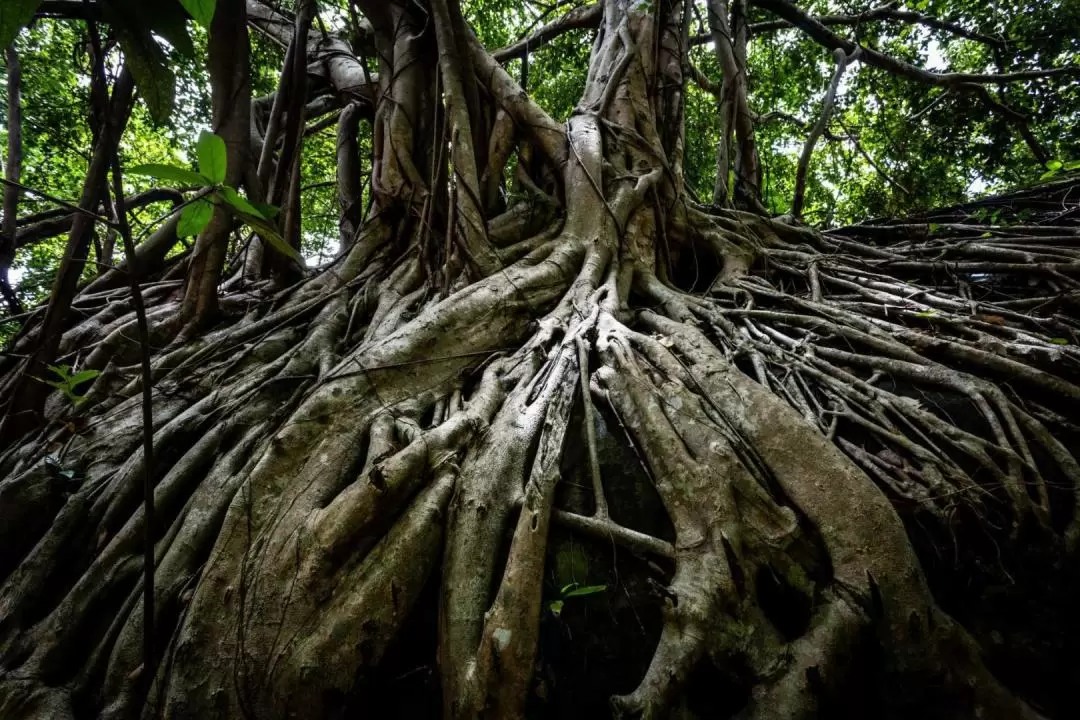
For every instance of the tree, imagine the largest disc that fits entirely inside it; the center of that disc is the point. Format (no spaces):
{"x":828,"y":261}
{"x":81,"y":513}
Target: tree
{"x":544,"y":404}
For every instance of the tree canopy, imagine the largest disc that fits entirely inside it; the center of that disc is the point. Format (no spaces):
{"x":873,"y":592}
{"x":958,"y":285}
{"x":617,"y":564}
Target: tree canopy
{"x":892,"y":146}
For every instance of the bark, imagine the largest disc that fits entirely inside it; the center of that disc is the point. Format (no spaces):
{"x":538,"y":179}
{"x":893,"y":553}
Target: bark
{"x":819,"y":128}
{"x":397,"y":485}
{"x":28,"y":395}
{"x":12,"y":173}
{"x":231,"y":99}
{"x":728,"y":27}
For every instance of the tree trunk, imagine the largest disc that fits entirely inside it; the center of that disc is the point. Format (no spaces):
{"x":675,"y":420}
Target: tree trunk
{"x":520,"y":464}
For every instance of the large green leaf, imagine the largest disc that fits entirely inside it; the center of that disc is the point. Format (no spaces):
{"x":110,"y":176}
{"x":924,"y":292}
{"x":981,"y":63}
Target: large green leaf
{"x":170,"y":173}
{"x":165,"y":18}
{"x":202,"y":11}
{"x":267,"y":210}
{"x":83,"y":376}
{"x":194,"y":217}
{"x":270,"y":234}
{"x":170,"y":22}
{"x":586,"y":590}
{"x":14,"y":16}
{"x":239,"y":202}
{"x":211,"y":153}
{"x":150,"y":67}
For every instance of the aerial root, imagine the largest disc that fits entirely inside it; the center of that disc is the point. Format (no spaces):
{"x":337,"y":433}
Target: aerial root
{"x":695,"y":471}
{"x":870,"y":555}
{"x":507,"y":649}
{"x":811,"y":667}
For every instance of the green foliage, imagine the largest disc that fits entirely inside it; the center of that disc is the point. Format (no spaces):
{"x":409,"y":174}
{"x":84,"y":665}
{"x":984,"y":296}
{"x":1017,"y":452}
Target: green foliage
{"x":67,"y":383}
{"x":211,"y":153}
{"x":181,"y":176}
{"x":196,"y":214}
{"x":1058,"y":167}
{"x":14,"y":15}
{"x":202,"y":11}
{"x":194,"y":218}
{"x":572,"y":590}
{"x":137,"y":27}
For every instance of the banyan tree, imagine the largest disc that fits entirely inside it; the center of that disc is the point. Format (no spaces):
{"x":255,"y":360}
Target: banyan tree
{"x":555,"y":427}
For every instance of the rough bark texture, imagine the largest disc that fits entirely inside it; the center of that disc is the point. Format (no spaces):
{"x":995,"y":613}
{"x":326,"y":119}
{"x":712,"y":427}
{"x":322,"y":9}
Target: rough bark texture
{"x":818,"y":475}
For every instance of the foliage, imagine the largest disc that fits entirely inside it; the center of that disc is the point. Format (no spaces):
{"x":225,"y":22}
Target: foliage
{"x":572,"y":590}
{"x":67,"y":383}
{"x":196,"y":213}
{"x":893,"y":147}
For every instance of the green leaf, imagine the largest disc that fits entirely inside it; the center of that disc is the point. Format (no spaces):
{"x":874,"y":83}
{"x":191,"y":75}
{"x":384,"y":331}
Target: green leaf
{"x":586,"y":590}
{"x":239,"y":202}
{"x":1048,"y":174}
{"x":1054,"y":165}
{"x":83,"y":376}
{"x":150,"y":68}
{"x":64,"y":371}
{"x":267,"y":210}
{"x":1059,"y":341}
{"x":170,"y":22}
{"x":555,"y":606}
{"x":194,"y":217}
{"x":211,"y":153}
{"x":201,"y":11}
{"x":926,"y":313}
{"x":1074,"y":165}
{"x":270,"y":234}
{"x":180,"y":175}
{"x":14,"y":16}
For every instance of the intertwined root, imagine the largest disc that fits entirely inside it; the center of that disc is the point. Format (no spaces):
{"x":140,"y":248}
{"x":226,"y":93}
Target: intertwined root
{"x":297,"y":542}
{"x":401,"y":421}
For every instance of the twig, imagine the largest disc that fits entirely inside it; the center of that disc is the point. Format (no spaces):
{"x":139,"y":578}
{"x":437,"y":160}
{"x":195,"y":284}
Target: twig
{"x":64,"y":203}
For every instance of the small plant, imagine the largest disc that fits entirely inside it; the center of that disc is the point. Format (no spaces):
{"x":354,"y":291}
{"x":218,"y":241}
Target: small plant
{"x":66,"y":382}
{"x":571,"y":591}
{"x":1056,"y":167}
{"x":195,"y":214}
{"x":57,"y":470}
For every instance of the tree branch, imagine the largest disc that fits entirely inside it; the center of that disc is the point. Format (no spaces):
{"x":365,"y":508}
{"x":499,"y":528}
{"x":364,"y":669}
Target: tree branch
{"x":53,"y":226}
{"x":973,"y":83}
{"x":586,"y":16}
{"x":884,"y":12}
{"x":967,"y":82}
{"x":842,"y":61}
{"x":12,"y":173}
